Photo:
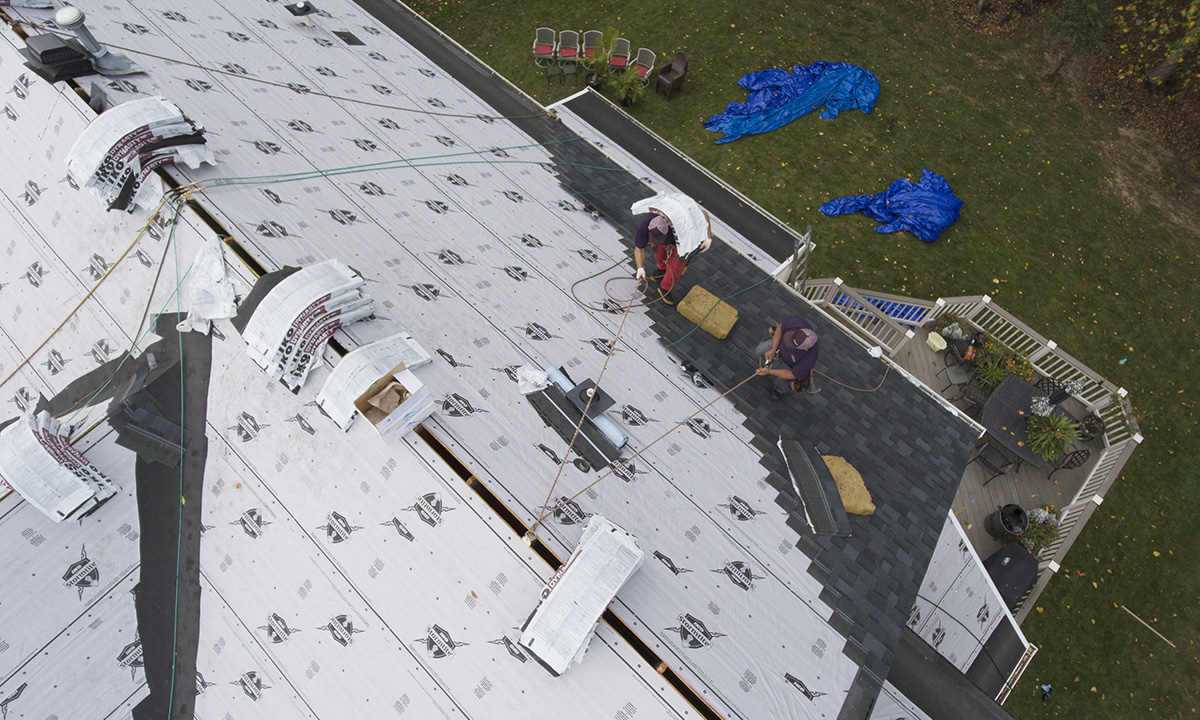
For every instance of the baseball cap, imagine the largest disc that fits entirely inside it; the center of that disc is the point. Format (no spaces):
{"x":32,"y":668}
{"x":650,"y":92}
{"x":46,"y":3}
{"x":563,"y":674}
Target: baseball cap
{"x":660,"y":225}
{"x":802,"y":339}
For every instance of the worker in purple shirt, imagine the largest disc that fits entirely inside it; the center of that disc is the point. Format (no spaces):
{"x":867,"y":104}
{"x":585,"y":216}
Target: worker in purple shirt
{"x":794,"y":341}
{"x":656,"y":230}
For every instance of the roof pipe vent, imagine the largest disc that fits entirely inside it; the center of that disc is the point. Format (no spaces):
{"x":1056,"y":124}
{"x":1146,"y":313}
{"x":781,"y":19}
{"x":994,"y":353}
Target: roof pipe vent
{"x":103,"y":61}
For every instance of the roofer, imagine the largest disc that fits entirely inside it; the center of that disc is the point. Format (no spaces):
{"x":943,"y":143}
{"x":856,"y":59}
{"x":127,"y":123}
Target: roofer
{"x":794,"y":341}
{"x":655,"y":229}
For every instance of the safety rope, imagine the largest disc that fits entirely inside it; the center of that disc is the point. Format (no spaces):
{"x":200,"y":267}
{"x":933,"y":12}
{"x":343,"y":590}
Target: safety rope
{"x":137,"y":335}
{"x":74,"y":310}
{"x":529,"y":536}
{"x":631,"y":458}
{"x":251,"y":78}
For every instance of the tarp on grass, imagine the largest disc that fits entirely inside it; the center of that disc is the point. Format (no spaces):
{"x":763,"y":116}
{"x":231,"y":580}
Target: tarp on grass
{"x":925,"y":209}
{"x":778,"y":97}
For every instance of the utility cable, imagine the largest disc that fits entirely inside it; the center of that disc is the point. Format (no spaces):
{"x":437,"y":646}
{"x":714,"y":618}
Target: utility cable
{"x":179,"y":532}
{"x":595,"y":391}
{"x":386,"y":165}
{"x":285,"y":86}
{"x":620,"y":260}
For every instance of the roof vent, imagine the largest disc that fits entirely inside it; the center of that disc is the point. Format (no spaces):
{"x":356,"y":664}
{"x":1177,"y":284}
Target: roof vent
{"x":54,"y":58}
{"x":103,"y":61}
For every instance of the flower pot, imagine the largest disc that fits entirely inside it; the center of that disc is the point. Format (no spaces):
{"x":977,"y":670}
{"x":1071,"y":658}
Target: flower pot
{"x":1091,"y":426}
{"x":1007,"y":522}
{"x":594,"y":80}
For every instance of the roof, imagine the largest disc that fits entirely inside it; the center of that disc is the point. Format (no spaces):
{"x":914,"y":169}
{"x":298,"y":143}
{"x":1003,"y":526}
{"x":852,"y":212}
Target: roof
{"x":471,"y":237}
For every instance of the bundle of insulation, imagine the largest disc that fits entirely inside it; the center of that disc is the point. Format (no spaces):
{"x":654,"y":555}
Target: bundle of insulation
{"x":292,"y":323}
{"x":39,"y":462}
{"x":117,"y":152}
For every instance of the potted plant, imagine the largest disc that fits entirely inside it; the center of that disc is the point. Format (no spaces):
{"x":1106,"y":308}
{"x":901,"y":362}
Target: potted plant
{"x":628,"y":88}
{"x":992,"y":371}
{"x":1051,"y":435}
{"x":597,"y":65}
{"x":1091,"y":426}
{"x":951,"y":327}
{"x":1042,"y":529}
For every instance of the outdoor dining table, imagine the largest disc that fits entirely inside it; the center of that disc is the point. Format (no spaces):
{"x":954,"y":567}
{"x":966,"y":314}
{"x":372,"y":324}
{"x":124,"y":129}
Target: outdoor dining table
{"x":1004,"y":415}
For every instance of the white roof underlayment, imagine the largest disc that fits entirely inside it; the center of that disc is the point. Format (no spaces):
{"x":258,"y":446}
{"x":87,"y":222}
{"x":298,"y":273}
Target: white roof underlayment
{"x":342,"y":574}
{"x":699,"y":499}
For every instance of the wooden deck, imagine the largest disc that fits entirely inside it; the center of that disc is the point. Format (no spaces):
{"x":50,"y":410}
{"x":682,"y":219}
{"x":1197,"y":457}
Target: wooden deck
{"x":1028,"y":488}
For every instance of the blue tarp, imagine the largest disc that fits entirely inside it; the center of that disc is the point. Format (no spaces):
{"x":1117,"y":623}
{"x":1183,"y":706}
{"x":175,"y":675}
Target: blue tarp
{"x":778,"y":97}
{"x":924,"y":209}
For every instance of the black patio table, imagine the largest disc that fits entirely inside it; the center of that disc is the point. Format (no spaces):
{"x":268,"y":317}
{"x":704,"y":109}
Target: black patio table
{"x":1005,"y":413}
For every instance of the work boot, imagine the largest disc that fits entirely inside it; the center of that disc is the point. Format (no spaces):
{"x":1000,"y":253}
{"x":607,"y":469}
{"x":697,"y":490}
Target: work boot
{"x":668,"y":297}
{"x":658,"y":276}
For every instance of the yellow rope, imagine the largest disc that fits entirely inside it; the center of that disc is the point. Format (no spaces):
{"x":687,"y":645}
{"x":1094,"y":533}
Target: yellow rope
{"x":104,"y":277}
{"x":631,"y":458}
{"x":611,"y":351}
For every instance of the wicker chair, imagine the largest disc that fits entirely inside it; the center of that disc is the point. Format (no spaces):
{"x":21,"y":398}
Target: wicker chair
{"x":593,"y":44}
{"x":643,"y":65}
{"x":670,"y":75}
{"x":618,"y":57}
{"x":543,"y":46}
{"x":568,"y":53}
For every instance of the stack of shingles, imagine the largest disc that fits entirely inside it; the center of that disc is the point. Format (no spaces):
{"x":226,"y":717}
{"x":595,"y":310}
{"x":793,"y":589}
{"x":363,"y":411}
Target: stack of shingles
{"x":297,"y":317}
{"x":116,"y":153}
{"x":38,"y":461}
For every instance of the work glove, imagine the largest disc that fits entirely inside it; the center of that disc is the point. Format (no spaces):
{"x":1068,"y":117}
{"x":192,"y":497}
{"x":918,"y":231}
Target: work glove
{"x":641,"y":274}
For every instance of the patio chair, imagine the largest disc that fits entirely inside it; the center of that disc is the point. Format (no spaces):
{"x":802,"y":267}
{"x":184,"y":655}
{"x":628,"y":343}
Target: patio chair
{"x":1050,"y":385}
{"x":568,"y":47}
{"x":670,"y":75}
{"x":994,"y":462}
{"x":956,"y":374}
{"x":568,"y":53}
{"x":973,"y":395}
{"x":960,"y":351}
{"x":543,"y":46}
{"x":593,"y":44}
{"x":618,"y":57}
{"x":644,"y":64}
{"x":1069,"y":460}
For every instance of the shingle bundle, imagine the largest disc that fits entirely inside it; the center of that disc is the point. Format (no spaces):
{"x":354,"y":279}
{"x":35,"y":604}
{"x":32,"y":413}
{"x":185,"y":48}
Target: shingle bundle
{"x":38,"y":461}
{"x":117,"y":152}
{"x":297,"y":317}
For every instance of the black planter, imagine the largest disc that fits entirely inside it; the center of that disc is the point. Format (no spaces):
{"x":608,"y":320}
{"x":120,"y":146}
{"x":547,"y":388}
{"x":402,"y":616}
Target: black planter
{"x":1091,"y":426}
{"x":1007,"y":522}
{"x":594,"y":80}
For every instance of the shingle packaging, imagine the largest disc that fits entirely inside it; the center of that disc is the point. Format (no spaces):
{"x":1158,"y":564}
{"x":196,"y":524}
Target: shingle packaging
{"x":117,"y":152}
{"x":39,"y":462}
{"x":297,"y":317}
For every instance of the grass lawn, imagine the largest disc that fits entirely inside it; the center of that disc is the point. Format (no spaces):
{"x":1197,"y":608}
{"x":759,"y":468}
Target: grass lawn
{"x":1067,"y":223}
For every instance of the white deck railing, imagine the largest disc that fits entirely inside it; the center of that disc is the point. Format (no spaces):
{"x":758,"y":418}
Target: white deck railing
{"x":856,"y":311}
{"x":1098,"y":395}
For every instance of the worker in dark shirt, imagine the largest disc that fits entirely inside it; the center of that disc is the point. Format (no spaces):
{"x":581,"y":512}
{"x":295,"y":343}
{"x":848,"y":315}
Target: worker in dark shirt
{"x":793,"y":341}
{"x":656,"y":230}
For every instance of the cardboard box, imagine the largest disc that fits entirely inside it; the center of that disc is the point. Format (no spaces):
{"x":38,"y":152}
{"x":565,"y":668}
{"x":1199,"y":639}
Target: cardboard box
{"x":395,"y":403}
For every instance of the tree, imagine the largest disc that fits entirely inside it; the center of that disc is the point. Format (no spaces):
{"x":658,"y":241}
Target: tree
{"x":1082,"y":22}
